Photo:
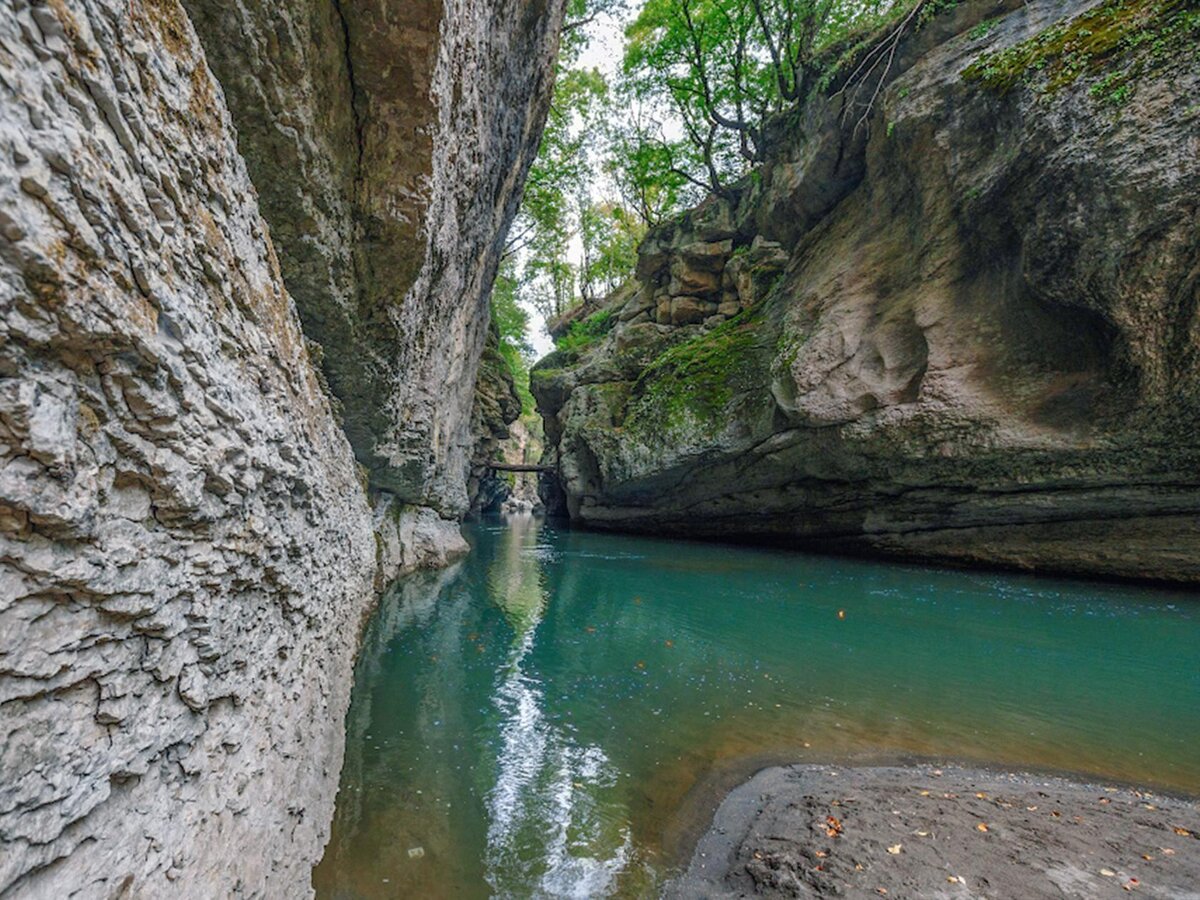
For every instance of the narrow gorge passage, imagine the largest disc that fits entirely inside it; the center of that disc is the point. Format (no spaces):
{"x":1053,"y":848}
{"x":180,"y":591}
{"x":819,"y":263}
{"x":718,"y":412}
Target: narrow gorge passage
{"x":295,"y":294}
{"x":557,"y":715}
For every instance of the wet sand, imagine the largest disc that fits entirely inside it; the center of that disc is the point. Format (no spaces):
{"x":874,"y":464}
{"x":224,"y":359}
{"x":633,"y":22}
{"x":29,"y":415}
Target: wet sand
{"x":943,"y":832}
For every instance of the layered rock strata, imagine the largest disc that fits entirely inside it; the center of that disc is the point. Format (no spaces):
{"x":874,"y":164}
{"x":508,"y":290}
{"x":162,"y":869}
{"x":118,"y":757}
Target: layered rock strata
{"x":959,"y":324}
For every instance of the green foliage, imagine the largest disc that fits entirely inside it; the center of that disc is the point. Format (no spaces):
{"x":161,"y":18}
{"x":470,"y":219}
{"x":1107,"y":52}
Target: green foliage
{"x":1127,"y":37}
{"x":983,"y":29}
{"x":609,"y":235}
{"x":721,"y":69}
{"x":586,"y":332}
{"x":512,"y":323}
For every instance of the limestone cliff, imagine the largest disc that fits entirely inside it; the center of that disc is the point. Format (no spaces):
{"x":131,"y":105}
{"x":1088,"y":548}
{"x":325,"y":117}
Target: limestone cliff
{"x":388,"y":141}
{"x":187,"y":546}
{"x":964,"y":327}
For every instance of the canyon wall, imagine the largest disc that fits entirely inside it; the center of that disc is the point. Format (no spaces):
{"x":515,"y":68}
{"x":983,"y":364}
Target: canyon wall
{"x":188,"y":545}
{"x":961,"y":322}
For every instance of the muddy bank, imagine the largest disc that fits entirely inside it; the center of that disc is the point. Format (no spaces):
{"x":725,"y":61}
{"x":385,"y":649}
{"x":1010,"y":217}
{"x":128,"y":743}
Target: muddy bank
{"x":924,"y":831}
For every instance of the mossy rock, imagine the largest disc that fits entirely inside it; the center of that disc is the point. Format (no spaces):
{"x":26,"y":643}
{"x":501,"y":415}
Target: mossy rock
{"x":1121,"y":39}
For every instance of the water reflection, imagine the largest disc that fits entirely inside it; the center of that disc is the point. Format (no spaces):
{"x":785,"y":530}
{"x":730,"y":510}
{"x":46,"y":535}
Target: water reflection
{"x":556,"y":822}
{"x":549,"y":718}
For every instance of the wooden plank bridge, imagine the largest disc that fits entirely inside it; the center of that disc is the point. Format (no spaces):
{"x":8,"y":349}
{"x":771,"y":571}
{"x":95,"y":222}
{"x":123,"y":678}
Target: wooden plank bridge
{"x":511,"y":467}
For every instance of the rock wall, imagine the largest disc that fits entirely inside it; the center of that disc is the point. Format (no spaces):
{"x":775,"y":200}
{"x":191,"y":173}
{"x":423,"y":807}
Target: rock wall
{"x":188,"y":550}
{"x":389,"y":142}
{"x":963,"y":326}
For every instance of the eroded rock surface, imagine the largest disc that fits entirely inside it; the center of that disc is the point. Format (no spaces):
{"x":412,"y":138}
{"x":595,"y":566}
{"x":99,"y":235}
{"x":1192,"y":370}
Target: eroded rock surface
{"x":187,"y":546}
{"x":389,"y":141}
{"x":968,"y":332}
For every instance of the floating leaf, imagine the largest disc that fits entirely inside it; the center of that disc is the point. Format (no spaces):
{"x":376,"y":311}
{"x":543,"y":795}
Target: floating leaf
{"x":1182,"y":832}
{"x":1108,"y":873}
{"x":833,"y":826}
{"x":981,"y":827}
{"x":894,"y":849}
{"x":924,"y":793}
{"x":841,"y":614}
{"x":981,"y":796}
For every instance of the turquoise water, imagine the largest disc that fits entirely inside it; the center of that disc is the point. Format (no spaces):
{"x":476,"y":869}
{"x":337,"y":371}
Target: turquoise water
{"x":556,"y":716}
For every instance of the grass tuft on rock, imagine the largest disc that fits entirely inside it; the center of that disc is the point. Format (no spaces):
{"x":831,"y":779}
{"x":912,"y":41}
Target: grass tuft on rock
{"x":1126,"y":37}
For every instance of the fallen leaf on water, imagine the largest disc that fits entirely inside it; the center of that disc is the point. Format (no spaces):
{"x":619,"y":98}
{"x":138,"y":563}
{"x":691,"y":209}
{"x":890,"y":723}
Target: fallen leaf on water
{"x":981,"y":796}
{"x":591,"y":629}
{"x":1031,"y":808}
{"x":1107,"y":873}
{"x":758,"y":854}
{"x":952,"y":879}
{"x":669,"y":643}
{"x":981,"y":827}
{"x":921,"y":833}
{"x":1056,"y":814}
{"x":639,"y":665}
{"x":924,"y":793}
{"x":820,"y":854}
{"x":1105,"y":800}
{"x":937,"y":772}
{"x":637,"y":600}
{"x":894,"y":849}
{"x":841,"y":614}
{"x":1149,"y":806}
{"x":1182,"y":832}
{"x":881,"y":891}
{"x":1147,"y":857}
{"x":858,"y":867}
{"x":833,"y":826}
{"x":1167,"y":851}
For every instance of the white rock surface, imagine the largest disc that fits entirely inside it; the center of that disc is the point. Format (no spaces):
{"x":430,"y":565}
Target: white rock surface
{"x":186,"y":549}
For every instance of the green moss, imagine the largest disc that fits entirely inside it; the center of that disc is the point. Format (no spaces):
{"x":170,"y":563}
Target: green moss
{"x":696,"y":380}
{"x":585,"y":332}
{"x":1136,"y":35}
{"x":983,"y":29}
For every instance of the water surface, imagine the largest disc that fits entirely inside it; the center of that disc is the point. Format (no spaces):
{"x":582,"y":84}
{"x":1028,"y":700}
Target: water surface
{"x":555,"y":716}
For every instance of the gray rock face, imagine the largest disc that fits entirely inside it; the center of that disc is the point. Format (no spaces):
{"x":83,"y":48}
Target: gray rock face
{"x":187,"y":548}
{"x":968,"y":333}
{"x":389,"y":141}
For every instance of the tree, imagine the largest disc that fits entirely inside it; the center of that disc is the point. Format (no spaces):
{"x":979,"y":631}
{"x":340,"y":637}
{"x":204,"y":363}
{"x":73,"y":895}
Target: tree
{"x":723,"y":67}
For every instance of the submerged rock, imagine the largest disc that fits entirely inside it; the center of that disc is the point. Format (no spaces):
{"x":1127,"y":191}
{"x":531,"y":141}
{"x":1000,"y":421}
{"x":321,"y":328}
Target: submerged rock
{"x":963,"y":328}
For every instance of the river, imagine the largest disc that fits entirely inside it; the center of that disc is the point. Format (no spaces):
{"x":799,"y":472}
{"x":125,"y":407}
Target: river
{"x":558,"y":715}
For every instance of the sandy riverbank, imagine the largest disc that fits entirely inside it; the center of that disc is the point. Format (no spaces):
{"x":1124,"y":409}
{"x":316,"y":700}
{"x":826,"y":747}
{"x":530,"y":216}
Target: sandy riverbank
{"x":943,"y":832}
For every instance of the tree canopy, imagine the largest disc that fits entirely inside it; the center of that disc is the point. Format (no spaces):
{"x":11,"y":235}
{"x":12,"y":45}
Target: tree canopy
{"x":684,"y":114}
